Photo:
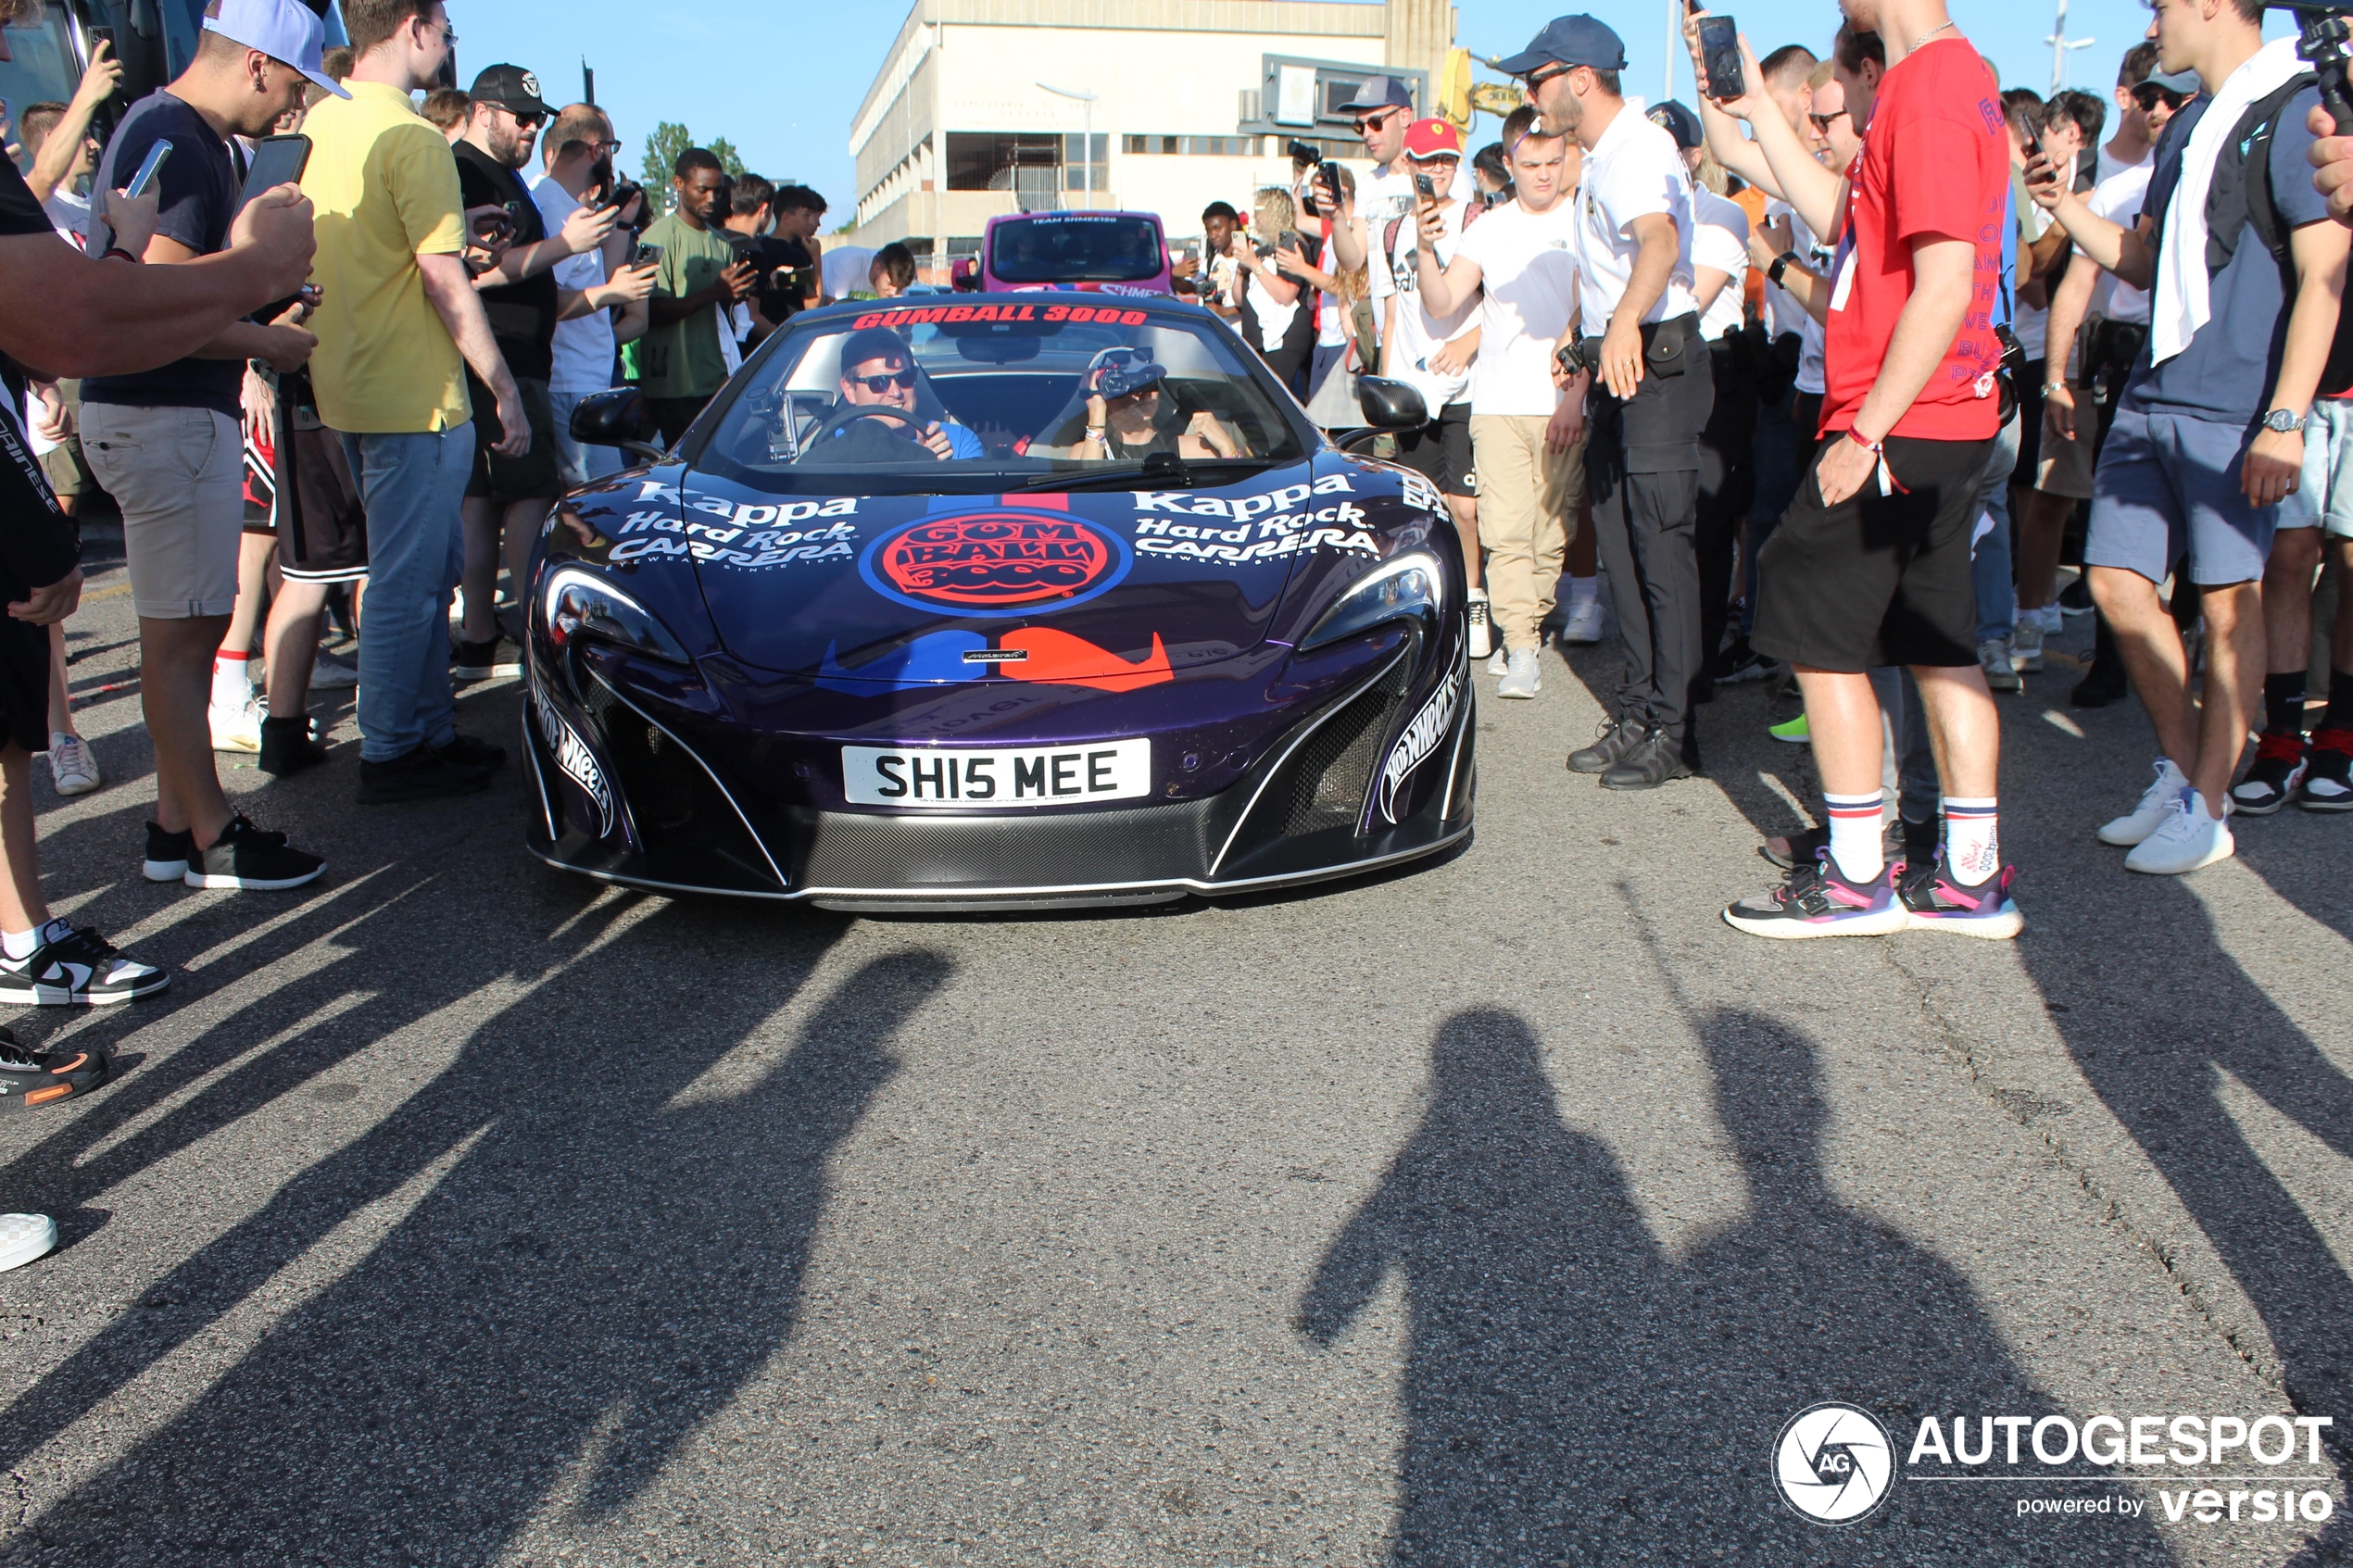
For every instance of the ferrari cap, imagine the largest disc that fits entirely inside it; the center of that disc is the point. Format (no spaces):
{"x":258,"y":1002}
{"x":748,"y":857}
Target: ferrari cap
{"x":1380,"y":92}
{"x":286,"y":31}
{"x":512,"y":89}
{"x":1432,"y":138}
{"x":1579,"y":39}
{"x":1678,"y":120}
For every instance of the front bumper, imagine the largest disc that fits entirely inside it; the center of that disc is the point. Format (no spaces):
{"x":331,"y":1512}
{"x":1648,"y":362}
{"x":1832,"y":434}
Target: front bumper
{"x":674,"y":815}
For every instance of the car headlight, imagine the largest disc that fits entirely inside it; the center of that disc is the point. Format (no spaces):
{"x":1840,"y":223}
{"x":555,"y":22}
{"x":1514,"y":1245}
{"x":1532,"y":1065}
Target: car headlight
{"x":1407,"y":584}
{"x":579,"y":603}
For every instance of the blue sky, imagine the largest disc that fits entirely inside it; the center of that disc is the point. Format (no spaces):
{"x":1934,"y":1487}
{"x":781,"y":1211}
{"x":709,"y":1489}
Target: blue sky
{"x":783,"y":82}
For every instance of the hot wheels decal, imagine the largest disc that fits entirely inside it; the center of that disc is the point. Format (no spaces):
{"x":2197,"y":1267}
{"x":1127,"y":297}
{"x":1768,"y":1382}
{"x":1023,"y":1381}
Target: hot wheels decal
{"x":1000,"y":560}
{"x":1422,"y":736}
{"x":579,"y":764}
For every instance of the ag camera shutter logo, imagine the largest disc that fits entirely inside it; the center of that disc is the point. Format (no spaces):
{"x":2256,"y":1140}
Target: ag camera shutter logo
{"x":1834,"y":1463}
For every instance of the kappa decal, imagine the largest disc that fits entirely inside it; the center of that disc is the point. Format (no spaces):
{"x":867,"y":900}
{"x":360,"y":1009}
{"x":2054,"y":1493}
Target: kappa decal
{"x":1421,"y":737}
{"x":997,"y":561}
{"x":1255,"y":537}
{"x":710,"y":528}
{"x":1031,"y":653}
{"x":579,"y":764}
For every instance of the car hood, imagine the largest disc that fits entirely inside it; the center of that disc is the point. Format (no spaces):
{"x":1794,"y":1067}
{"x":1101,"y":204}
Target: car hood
{"x":1114,"y":589}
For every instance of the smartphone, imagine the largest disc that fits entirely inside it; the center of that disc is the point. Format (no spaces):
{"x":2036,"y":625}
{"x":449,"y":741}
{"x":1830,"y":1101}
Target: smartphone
{"x":277,"y":160}
{"x":1427,"y":187}
{"x":1719,"y":46}
{"x":647,"y":256}
{"x":797,"y":282}
{"x":105,"y":35}
{"x":148,"y":168}
{"x":1329,"y":175}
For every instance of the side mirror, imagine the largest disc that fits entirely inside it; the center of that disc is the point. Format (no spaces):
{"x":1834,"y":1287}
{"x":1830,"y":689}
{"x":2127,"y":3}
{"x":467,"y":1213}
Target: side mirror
{"x":963,"y":274}
{"x":1388,"y":405}
{"x":614,"y":419}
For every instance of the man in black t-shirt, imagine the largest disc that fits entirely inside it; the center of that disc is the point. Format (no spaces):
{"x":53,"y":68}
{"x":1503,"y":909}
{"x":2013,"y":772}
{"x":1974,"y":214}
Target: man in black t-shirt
{"x":523,"y":302}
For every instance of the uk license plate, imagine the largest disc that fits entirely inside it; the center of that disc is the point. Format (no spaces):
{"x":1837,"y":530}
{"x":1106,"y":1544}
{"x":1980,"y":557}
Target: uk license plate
{"x":937,"y":777}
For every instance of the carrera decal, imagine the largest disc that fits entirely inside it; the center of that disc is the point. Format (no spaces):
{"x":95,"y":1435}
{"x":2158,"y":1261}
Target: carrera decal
{"x":725,"y":533}
{"x":575,"y":760}
{"x":999,"y":561}
{"x":1048,"y":655}
{"x":1257,"y":536}
{"x":1422,"y":736}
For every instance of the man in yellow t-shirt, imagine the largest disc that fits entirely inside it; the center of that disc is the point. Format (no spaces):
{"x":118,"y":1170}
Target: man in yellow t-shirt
{"x":398,"y":325}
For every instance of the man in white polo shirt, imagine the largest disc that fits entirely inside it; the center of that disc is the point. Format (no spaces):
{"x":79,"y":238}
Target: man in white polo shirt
{"x":1653,"y":387}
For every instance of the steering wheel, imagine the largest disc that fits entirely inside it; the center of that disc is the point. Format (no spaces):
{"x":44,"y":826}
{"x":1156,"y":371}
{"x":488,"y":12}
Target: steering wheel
{"x":841,"y":419}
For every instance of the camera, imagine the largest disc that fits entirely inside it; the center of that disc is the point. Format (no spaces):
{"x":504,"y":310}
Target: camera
{"x":1571,"y":357}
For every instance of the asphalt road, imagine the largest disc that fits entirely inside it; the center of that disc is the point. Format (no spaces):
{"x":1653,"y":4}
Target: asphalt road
{"x":462,"y":1212}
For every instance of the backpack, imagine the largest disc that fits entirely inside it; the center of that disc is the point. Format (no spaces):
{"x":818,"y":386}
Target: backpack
{"x":2232,"y":189}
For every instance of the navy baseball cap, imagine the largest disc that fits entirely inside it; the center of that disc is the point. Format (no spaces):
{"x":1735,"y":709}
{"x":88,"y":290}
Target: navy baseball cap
{"x":1679,"y":122}
{"x":1579,"y":39}
{"x":1378,"y":92}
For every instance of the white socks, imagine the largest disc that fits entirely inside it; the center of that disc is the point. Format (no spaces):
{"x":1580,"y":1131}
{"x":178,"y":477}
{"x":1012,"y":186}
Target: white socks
{"x":22,"y":945}
{"x":232,"y":685}
{"x":1972,"y":845}
{"x":1857,"y":838}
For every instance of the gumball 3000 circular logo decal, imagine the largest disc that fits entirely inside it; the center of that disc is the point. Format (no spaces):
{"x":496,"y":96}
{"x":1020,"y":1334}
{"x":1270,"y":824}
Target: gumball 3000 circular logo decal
{"x":995,"y":562}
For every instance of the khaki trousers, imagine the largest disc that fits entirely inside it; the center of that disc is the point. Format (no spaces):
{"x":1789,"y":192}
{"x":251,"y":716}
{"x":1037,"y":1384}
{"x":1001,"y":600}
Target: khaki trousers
{"x":1526,"y":515}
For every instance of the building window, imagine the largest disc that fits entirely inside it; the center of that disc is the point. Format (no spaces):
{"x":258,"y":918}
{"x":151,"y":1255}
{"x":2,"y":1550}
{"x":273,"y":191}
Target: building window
{"x":1074,"y":163}
{"x":1194,"y":146}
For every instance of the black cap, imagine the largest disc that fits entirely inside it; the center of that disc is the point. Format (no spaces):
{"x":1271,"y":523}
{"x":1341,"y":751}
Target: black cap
{"x":512,"y":89}
{"x":1378,"y":92}
{"x":1679,"y":122}
{"x":1579,"y":39}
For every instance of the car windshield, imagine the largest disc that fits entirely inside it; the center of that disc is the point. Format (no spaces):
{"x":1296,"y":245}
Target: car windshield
{"x":1004,"y":393}
{"x":1075,"y":248}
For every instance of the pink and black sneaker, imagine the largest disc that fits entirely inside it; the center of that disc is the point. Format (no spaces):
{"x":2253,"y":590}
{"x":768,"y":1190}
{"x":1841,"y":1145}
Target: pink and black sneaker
{"x":1933,"y":901}
{"x":1815,"y":901}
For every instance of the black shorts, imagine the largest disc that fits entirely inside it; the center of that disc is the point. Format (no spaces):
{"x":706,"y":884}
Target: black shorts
{"x":24,"y":683}
{"x":535,"y":476}
{"x":1877,"y":580}
{"x":1441,"y":451}
{"x":324,"y":536}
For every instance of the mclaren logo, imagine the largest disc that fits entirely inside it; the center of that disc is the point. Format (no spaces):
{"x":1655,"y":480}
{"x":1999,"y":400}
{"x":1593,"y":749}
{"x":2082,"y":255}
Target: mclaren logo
{"x":573,"y":758}
{"x":1421,"y":738}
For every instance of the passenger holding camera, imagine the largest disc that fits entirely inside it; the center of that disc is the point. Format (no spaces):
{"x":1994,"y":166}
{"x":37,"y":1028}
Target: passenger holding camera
{"x":1128,"y":415}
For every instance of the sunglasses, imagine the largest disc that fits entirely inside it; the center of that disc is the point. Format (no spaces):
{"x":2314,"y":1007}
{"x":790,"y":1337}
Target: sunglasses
{"x":1376,"y":122}
{"x":525,"y":120}
{"x":1822,"y":122}
{"x":1537,"y":79}
{"x":880,"y":384}
{"x":2148,"y":94}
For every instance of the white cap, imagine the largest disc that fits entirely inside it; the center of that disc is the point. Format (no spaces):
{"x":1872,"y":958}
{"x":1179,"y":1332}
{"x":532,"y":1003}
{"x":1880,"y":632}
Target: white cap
{"x":286,"y":31}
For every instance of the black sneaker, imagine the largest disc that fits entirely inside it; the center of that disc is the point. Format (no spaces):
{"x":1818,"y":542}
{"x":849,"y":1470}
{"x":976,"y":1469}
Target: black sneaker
{"x":480,"y":662}
{"x":75,"y":966}
{"x":1650,"y":764}
{"x":2076,"y":597}
{"x":29,"y":1077}
{"x":1612,"y":741}
{"x":2328,"y":778}
{"x":1737,"y":662}
{"x":471,"y":753}
{"x":244,"y":857}
{"x":168,"y":854}
{"x":287,"y":747}
{"x":1801,"y":849}
{"x":2272,"y":778}
{"x":2104,"y":683}
{"x":420,"y":774}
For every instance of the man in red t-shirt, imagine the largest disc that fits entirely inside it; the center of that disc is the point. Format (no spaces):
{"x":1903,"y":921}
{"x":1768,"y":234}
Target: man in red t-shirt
{"x":1870,"y":565}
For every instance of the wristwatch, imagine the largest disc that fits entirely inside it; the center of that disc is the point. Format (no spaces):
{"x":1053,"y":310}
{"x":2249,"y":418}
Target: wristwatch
{"x":1780,"y":265}
{"x":2280,"y":420}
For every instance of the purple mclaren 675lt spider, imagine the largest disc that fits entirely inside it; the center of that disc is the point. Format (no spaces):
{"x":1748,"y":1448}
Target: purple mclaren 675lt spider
{"x":1005,"y":601}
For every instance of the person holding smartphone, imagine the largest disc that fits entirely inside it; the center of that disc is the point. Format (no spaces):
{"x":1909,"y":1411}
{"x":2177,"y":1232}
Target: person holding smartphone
{"x":167,"y":443}
{"x":1278,"y":317}
{"x":604,"y":290}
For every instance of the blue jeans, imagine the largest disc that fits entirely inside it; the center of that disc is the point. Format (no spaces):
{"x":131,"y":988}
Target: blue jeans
{"x":1779,"y":464}
{"x":1919,"y":794}
{"x":411,"y":486}
{"x":1990,"y":562}
{"x":576,"y":463}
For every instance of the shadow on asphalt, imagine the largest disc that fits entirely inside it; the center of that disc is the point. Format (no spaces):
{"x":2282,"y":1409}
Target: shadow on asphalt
{"x":1573,"y":1395}
{"x":584,"y":1267}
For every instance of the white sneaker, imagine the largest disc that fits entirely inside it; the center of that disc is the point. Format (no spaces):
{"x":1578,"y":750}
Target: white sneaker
{"x":1496,"y":664}
{"x":2026,"y":645}
{"x":332,"y":674}
{"x":2054,"y":619}
{"x":2158,"y":802}
{"x":2183,"y":842}
{"x":24,"y":1238}
{"x":1584,"y":624}
{"x":1482,"y":630}
{"x":72,"y":767}
{"x":1521,"y":676}
{"x":1994,"y":657}
{"x":236,"y":729}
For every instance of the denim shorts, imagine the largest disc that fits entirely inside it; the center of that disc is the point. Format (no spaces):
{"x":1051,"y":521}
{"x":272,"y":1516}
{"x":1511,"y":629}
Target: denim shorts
{"x":2167,"y":487}
{"x":2325,"y":491}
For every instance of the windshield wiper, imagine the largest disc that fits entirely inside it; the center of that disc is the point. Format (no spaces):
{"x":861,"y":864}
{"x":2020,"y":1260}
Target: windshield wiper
{"x":1161,"y":471}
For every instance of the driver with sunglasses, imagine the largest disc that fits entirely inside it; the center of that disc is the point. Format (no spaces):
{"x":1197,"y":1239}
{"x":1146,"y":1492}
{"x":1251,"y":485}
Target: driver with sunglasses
{"x":877,"y":371}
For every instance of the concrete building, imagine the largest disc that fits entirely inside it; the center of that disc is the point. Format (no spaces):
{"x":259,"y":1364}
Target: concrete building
{"x":1193,"y":101}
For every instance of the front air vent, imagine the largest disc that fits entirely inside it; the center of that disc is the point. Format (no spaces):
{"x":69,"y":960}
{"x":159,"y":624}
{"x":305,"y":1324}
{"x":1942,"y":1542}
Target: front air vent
{"x":1325,"y":782}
